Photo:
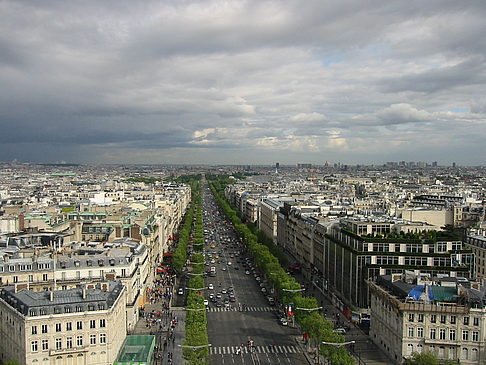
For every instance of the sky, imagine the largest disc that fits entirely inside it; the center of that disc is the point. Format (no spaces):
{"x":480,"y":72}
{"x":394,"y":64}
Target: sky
{"x":243,"y":82}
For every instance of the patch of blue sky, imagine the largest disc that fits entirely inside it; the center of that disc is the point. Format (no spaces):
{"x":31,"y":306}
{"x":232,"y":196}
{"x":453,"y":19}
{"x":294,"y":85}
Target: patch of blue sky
{"x":331,"y":60}
{"x":458,"y":110}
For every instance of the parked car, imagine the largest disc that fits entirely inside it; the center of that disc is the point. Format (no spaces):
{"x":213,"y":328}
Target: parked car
{"x":283,"y":321}
{"x":180,"y":291}
{"x":340,"y":330}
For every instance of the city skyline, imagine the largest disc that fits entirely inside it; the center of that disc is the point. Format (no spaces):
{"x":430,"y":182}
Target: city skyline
{"x":243,"y":82}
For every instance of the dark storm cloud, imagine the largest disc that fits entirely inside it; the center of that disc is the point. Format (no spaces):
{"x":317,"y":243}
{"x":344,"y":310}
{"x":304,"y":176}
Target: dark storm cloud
{"x":133,"y":81}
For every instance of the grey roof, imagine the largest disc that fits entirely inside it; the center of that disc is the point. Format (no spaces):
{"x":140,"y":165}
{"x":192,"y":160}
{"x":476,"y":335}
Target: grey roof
{"x":30,"y":303}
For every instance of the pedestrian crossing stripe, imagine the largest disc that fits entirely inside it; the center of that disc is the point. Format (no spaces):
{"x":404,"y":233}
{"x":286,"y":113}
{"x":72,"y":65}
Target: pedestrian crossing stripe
{"x":238,"y":309}
{"x":270,"y":349}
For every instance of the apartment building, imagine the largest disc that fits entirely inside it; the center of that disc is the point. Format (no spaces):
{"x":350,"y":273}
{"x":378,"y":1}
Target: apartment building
{"x":350,"y":258}
{"x":268,"y":217}
{"x":478,"y":245}
{"x":81,"y":263}
{"x":82,"y":326}
{"x":417,"y":313}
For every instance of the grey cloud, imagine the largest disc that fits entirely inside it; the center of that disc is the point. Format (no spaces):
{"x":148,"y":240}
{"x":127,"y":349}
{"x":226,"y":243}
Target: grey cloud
{"x":125,"y":80}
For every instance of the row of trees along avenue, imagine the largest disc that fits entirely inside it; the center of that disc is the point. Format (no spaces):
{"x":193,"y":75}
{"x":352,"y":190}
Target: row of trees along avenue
{"x":318,"y":328}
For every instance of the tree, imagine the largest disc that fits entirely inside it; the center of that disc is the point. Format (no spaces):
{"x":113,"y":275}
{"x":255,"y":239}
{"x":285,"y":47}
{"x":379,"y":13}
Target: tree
{"x":424,"y":358}
{"x":11,"y":362}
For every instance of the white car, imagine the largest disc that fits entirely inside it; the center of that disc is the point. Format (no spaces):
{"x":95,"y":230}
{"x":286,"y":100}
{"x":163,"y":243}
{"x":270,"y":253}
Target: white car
{"x":210,"y":287}
{"x":180,"y":291}
{"x":206,"y":302}
{"x":283,"y":322}
{"x":229,"y":263}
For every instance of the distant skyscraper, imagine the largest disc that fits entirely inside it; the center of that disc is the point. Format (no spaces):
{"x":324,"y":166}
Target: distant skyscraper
{"x":277,"y":165}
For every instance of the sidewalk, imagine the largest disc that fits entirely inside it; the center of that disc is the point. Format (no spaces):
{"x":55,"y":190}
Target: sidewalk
{"x":364,"y":350}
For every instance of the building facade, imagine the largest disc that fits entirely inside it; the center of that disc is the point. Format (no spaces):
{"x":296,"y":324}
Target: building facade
{"x":84,"y":326}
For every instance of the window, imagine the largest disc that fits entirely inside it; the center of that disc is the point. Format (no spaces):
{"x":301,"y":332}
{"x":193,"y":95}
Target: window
{"x":465,"y":335}
{"x":452,"y":335}
{"x":453,"y":319}
{"x":466,"y":321}
{"x":44,"y":277}
{"x":69,"y":342}
{"x":69,"y":326}
{"x":441,"y":247}
{"x":92,"y":323}
{"x":102,"y":323}
{"x":433,"y":318}
{"x":45,"y":345}
{"x":79,"y":341}
{"x":442,"y":334}
{"x":31,"y":278}
{"x":420,"y":317}
{"x":33,"y":346}
{"x":420,"y":332}
{"x":476,"y":321}
{"x":79,"y":325}
{"x":34,"y":330}
{"x":92,"y":339}
{"x":409,"y":349}
{"x":410,"y":317}
{"x":474,"y":354}
{"x":58,"y":343}
{"x":58,"y":327}
{"x":442,"y":319}
{"x":432,"y":333}
{"x":44,"y":328}
{"x":410,"y":331}
{"x":475,"y":336}
{"x":103,"y":338}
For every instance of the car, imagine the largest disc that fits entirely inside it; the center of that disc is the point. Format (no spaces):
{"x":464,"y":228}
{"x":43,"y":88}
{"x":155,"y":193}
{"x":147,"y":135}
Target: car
{"x":264,"y":290}
{"x":232,"y":299}
{"x":218,"y":295}
{"x":218,"y":304}
{"x":211,"y":296}
{"x":283,"y":321}
{"x":236,"y":268}
{"x":223,"y":291}
{"x":223,"y":268}
{"x":247,"y":272}
{"x":210,"y":286}
{"x":180,"y":291}
{"x":206,"y":302}
{"x":340,"y":330}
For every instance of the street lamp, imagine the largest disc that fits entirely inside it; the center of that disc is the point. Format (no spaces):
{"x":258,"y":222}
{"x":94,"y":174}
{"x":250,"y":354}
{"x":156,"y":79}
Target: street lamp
{"x":195,"y":347}
{"x":309,"y":309}
{"x":338,"y":344}
{"x":294,"y":290}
